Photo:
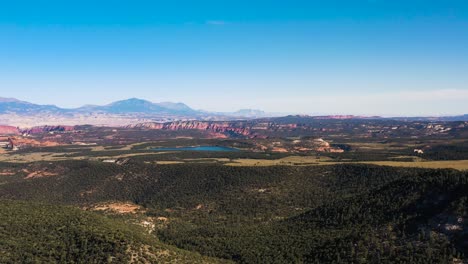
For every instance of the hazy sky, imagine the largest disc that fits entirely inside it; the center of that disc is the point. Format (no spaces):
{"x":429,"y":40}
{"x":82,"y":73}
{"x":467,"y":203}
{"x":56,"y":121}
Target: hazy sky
{"x":375,"y":57}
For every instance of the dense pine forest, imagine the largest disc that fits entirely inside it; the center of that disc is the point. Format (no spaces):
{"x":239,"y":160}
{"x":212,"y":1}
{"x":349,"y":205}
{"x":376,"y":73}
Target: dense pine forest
{"x":40,"y":233}
{"x":275,"y":214}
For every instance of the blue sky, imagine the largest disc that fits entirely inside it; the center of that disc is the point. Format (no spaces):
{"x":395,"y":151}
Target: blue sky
{"x":370,"y":57}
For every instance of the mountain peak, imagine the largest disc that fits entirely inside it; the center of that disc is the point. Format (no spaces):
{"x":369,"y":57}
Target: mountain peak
{"x":176,"y":106}
{"x":131,"y":101}
{"x":10,"y":100}
{"x":129,"y":106}
{"x":137,"y":105}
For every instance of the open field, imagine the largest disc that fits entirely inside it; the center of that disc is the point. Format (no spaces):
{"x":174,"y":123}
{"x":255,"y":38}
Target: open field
{"x":308,"y":161}
{"x":102,"y":153}
{"x":48,"y":156}
{"x":439,"y":164}
{"x":287,"y":161}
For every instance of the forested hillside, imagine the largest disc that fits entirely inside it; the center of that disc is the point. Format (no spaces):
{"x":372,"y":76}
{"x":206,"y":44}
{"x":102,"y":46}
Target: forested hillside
{"x":39,"y":233}
{"x":276,"y":214}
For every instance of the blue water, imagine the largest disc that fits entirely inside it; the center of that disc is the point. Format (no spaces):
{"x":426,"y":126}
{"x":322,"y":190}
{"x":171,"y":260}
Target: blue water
{"x":200,"y":148}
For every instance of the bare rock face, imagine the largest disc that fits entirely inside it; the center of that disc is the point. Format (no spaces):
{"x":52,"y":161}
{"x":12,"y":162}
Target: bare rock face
{"x":237,"y":128}
{"x":9,"y":130}
{"x":46,"y":129}
{"x":22,"y":142}
{"x":323,"y":146}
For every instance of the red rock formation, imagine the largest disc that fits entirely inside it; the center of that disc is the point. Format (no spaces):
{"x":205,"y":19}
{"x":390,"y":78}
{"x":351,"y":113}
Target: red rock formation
{"x":9,"y":130}
{"x":236,"y":128}
{"x":280,"y":150}
{"x":46,"y":129}
{"x":22,"y":142}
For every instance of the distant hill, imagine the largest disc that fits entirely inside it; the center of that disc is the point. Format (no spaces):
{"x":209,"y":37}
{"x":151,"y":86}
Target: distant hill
{"x":307,"y":118}
{"x":134,"y":110}
{"x":455,"y":118}
{"x":181,"y":107}
{"x":135,"y":105}
{"x":132,"y":106}
{"x":436,"y":118}
{"x":11,"y":105}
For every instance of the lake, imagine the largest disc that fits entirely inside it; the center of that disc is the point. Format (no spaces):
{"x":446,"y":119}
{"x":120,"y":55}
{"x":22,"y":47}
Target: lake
{"x":199,"y":148}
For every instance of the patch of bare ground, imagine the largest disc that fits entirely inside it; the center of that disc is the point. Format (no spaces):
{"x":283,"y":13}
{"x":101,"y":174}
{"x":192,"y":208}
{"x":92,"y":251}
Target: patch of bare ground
{"x":151,"y":224}
{"x":7,"y":173}
{"x":208,"y":160}
{"x":118,"y":208}
{"x":39,"y":174}
{"x":119,"y":176}
{"x":169,"y":162}
{"x":39,"y":171}
{"x":162,"y":219}
{"x":148,"y":224}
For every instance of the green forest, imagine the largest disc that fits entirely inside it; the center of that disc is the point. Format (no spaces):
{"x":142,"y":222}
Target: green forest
{"x":39,"y":233}
{"x":346,"y":213}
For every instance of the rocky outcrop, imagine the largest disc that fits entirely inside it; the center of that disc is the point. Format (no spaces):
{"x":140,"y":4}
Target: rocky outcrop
{"x":47,"y":129}
{"x":234,"y":128}
{"x":24,"y":142}
{"x":9,"y":130}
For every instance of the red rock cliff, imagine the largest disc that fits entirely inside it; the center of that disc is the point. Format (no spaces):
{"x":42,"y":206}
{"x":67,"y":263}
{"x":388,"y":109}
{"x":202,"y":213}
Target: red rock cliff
{"x":9,"y":130}
{"x":238,"y":128}
{"x":45,"y":129}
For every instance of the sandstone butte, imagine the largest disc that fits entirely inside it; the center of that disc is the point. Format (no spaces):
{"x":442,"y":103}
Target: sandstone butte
{"x":9,"y":130}
{"x":217,"y":127}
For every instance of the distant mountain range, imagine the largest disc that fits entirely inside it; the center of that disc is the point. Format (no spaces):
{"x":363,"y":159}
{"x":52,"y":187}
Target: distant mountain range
{"x":129,"y":106}
{"x":435,"y":118}
{"x":134,"y":110}
{"x":11,"y":105}
{"x":135,"y":105}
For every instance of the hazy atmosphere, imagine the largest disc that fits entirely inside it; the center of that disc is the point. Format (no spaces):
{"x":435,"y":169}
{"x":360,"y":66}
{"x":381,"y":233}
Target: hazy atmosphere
{"x":389,"y":58}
